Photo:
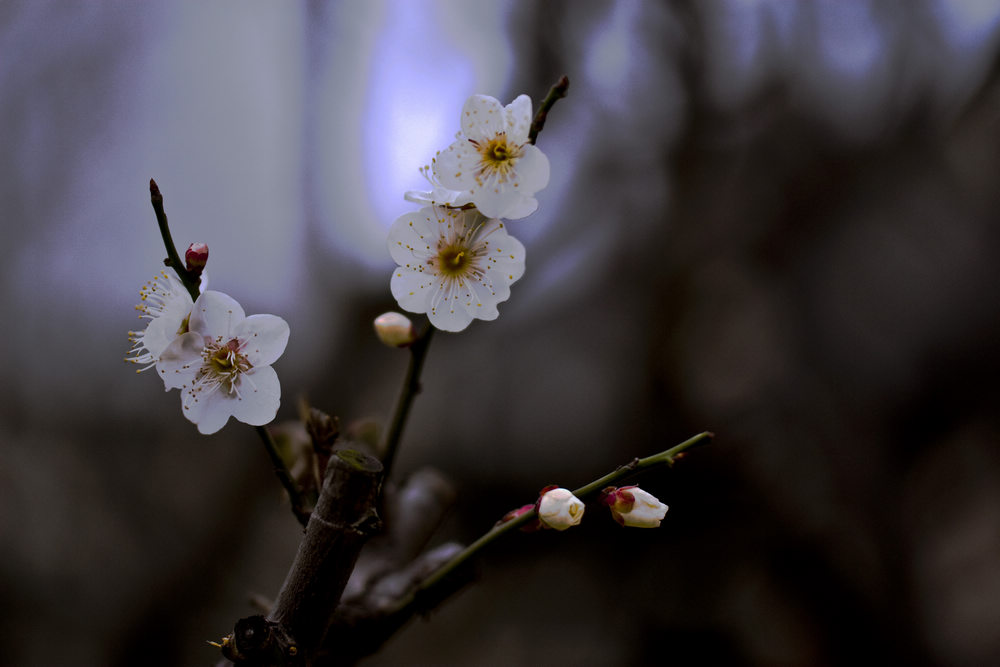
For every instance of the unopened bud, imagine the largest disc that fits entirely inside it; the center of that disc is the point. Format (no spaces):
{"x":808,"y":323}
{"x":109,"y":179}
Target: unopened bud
{"x":395,"y":329}
{"x":558,"y":508}
{"x":196,"y":258}
{"x":529,"y":527}
{"x":631,"y":506}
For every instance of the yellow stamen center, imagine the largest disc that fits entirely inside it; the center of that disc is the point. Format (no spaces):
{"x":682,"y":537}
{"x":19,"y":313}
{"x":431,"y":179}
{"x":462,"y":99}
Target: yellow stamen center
{"x":226,"y":363}
{"x":453,"y":260}
{"x":498,"y":150}
{"x":498,"y":156}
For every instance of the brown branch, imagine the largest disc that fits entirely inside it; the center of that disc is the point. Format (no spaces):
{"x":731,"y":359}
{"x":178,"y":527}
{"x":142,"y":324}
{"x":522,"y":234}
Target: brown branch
{"x":391,"y":566}
{"x":557,"y":92}
{"x":343,"y":520}
{"x":284,"y":476}
{"x":173,"y":260}
{"x":361,"y":628}
{"x":411,"y":387}
{"x":411,"y":514}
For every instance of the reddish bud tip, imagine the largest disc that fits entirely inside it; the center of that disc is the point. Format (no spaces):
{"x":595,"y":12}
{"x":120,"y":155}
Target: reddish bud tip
{"x":607,"y":495}
{"x":520,"y":511}
{"x":196,"y":258}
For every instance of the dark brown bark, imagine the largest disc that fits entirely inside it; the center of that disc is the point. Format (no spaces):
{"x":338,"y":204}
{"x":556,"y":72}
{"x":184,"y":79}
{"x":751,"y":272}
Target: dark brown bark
{"x":343,"y":520}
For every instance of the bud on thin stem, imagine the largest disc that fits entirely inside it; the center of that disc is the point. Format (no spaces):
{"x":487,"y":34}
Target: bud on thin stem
{"x":196,"y":258}
{"x":395,"y":329}
{"x":558,"y":508}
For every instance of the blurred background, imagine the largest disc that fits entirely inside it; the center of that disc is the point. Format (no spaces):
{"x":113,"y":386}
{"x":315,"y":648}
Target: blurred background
{"x":775,"y":220}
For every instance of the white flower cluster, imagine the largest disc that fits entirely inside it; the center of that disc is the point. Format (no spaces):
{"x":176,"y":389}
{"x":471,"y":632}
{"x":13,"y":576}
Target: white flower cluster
{"x":218,"y":357}
{"x":456,"y":259}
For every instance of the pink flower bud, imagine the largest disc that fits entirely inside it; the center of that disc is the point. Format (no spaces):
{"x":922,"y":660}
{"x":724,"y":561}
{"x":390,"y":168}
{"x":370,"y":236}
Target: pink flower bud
{"x":631,"y":506}
{"x":529,"y":527}
{"x":395,"y":329}
{"x":196,"y":258}
{"x":558,"y":508}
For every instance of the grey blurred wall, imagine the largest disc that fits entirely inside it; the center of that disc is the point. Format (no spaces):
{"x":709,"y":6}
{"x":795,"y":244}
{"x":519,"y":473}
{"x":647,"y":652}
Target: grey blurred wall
{"x":775,"y":220}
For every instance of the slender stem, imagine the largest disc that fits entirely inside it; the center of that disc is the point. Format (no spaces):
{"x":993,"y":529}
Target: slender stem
{"x":556,"y":92}
{"x":668,"y":457}
{"x":411,"y":387}
{"x":418,"y":351}
{"x":191,"y":283}
{"x":173,"y":259}
{"x":281,"y":470}
{"x":665,"y":457}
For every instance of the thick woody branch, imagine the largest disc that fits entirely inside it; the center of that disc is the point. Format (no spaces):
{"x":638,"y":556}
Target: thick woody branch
{"x":389,"y":569}
{"x":343,"y":520}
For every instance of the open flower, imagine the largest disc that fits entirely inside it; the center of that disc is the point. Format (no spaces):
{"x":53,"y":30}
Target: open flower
{"x":492,"y":161}
{"x":454,"y":265}
{"x":558,"y":508}
{"x":167,"y":305}
{"x":222,"y":365}
{"x":631,"y":506}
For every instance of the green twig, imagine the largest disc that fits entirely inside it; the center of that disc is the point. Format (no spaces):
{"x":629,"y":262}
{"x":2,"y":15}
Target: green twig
{"x":557,"y":92}
{"x":411,"y":387}
{"x":281,"y":470}
{"x":665,"y":457}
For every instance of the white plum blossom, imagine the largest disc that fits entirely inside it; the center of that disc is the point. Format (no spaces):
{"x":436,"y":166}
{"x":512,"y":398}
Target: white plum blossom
{"x":167,"y":305}
{"x":558,"y":508}
{"x":631,"y":506}
{"x":455,"y":265}
{"x":222,"y":365}
{"x":492,"y":162}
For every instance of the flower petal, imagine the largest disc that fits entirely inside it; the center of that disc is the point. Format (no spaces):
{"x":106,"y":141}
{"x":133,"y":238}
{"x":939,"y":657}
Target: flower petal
{"x":265,"y":338}
{"x":455,"y":167}
{"x":412,"y":289}
{"x":500,"y":282}
{"x":482,"y":118}
{"x":517,"y":117}
{"x":210,"y":413}
{"x":439,"y":195}
{"x":446,"y":311}
{"x":215,"y":314}
{"x":506,"y":254}
{"x":161,"y":332}
{"x":482,"y":301}
{"x":410,"y":237}
{"x":521,"y":208}
{"x":259,"y":397}
{"x":493,"y":198}
{"x":532,"y":170}
{"x":451,"y":319}
{"x":179,"y":363}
